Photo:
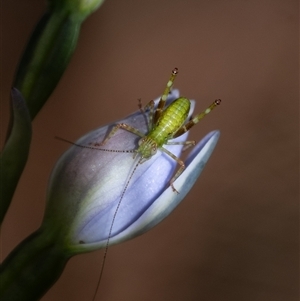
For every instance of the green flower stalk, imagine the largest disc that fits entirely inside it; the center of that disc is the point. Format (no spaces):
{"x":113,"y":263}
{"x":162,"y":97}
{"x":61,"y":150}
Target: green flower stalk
{"x":15,"y":152}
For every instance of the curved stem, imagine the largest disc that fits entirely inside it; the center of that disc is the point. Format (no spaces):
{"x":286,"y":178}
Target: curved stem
{"x":32,"y":268}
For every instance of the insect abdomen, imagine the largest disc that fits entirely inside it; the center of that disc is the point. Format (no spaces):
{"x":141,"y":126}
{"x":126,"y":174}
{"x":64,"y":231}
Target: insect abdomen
{"x":171,"y":120}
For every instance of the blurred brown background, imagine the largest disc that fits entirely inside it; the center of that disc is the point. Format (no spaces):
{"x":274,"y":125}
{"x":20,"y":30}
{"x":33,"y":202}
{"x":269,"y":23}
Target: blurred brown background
{"x":235,"y":237}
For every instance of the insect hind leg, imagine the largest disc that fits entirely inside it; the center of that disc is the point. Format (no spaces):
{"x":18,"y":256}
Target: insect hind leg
{"x":163,"y":99}
{"x":196,"y":119}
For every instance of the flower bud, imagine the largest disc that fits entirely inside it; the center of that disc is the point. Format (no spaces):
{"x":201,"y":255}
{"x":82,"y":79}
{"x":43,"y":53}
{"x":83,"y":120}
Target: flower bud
{"x":86,"y":186}
{"x":50,"y":49}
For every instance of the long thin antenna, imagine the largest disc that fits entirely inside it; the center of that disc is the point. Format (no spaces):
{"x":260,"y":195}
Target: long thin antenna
{"x":119,"y":203}
{"x":111,"y":227}
{"x":95,"y":147}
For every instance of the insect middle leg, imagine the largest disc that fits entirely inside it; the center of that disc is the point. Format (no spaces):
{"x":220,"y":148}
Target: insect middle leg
{"x":179,"y":161}
{"x":123,"y":126}
{"x":187,"y":144}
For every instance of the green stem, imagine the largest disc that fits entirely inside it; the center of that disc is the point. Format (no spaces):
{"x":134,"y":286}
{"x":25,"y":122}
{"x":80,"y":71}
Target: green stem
{"x":32,"y":268}
{"x":14,"y":156}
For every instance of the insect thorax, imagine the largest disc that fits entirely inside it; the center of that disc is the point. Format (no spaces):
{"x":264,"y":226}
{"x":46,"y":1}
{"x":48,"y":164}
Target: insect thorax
{"x":147,"y":147}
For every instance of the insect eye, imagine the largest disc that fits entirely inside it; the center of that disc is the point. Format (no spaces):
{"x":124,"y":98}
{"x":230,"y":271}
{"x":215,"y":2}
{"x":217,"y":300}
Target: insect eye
{"x":141,"y":141}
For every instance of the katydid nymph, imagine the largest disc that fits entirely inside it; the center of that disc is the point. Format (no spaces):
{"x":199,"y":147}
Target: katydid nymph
{"x":164,"y":123}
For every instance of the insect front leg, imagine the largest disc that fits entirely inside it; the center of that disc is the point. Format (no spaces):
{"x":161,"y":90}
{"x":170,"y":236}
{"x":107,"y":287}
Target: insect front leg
{"x":123,"y":126}
{"x":180,"y":170}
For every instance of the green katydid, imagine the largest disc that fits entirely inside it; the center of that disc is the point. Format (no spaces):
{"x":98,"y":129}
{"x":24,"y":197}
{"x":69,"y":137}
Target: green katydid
{"x":164,"y":125}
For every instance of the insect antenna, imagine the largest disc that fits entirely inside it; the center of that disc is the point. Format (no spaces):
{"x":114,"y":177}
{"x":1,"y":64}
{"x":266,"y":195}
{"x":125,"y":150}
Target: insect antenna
{"x":118,"y":205}
{"x":95,"y":147}
{"x":111,"y":227}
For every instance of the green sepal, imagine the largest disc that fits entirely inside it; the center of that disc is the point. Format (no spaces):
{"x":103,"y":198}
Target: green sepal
{"x":15,"y":152}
